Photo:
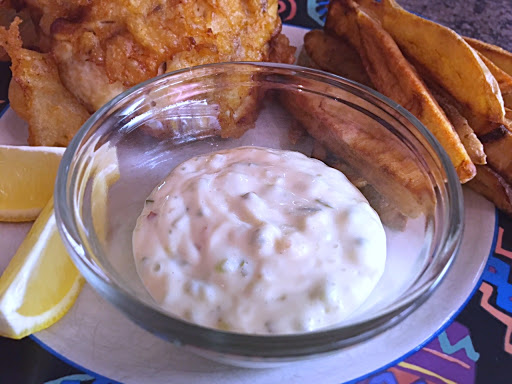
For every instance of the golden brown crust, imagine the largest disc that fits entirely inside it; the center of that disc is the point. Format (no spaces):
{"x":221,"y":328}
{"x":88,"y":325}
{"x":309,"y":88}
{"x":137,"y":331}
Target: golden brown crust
{"x":388,"y":213}
{"x":395,"y":77}
{"x":143,"y":35}
{"x":36,"y":93}
{"x":371,"y":151}
{"x":335,"y":55}
{"x":445,"y":55}
{"x":499,"y":56}
{"x":99,"y":48}
{"x":493,"y":187}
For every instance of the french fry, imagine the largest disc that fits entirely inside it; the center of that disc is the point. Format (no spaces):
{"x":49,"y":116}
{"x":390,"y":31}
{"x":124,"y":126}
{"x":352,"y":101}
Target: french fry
{"x":473,"y":145}
{"x":446,"y":56}
{"x":496,"y":143}
{"x":395,"y":77}
{"x":507,"y":100}
{"x":321,"y":153}
{"x":493,"y":187}
{"x":503,"y":78}
{"x":498,"y":147}
{"x":504,"y":81}
{"x":389,"y":214}
{"x":499,"y":56}
{"x":367,"y":148}
{"x":334,"y":55}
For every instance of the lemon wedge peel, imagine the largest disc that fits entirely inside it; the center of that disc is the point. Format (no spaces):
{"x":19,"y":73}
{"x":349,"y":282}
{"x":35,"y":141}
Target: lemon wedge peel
{"x":106,"y":169}
{"x":27,"y":182}
{"x":32,"y":297}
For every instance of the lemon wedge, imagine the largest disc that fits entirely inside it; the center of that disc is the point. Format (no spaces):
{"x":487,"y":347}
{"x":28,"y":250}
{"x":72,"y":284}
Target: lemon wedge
{"x":105,"y":166}
{"x":40,"y":283}
{"x":27,"y":181}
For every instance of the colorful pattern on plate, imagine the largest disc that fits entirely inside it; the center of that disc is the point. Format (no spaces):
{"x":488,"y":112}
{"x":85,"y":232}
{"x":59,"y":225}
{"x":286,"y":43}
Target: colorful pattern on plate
{"x":449,"y":358}
{"x":476,"y":348}
{"x":497,"y":288}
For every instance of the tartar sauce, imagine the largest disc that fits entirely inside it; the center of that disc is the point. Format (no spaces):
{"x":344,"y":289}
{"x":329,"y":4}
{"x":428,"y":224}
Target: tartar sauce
{"x":258,"y":240}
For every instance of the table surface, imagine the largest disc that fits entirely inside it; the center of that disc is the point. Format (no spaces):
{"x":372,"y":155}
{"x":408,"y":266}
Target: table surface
{"x":482,"y":332}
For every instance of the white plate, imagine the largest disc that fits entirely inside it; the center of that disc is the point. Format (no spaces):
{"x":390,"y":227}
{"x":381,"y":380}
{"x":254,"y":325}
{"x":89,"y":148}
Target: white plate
{"x":96,"y":337}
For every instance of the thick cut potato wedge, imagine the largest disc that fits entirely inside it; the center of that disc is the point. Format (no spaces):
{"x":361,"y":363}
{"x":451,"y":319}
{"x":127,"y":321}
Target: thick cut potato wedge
{"x":332,"y":54}
{"x":389,"y":214}
{"x":498,"y":147}
{"x":395,"y":77}
{"x":467,"y":136}
{"x":499,"y":56}
{"x":496,"y":143}
{"x":507,"y":99}
{"x":445,"y":54}
{"x":37,"y":94}
{"x":503,"y":78}
{"x":504,"y":81}
{"x":371,"y":151}
{"x":493,"y":187}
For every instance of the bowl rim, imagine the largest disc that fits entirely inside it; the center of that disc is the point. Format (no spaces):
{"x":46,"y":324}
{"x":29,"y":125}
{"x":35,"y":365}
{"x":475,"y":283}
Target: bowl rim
{"x":278,"y":347}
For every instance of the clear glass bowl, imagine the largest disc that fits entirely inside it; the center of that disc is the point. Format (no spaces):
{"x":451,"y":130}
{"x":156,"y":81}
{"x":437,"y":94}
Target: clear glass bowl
{"x":126,"y":148}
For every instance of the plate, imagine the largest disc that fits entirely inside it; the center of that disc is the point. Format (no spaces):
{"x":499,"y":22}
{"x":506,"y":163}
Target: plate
{"x":97,"y":338}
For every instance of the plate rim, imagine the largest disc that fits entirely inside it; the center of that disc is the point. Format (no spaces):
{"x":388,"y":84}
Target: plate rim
{"x":441,"y":328}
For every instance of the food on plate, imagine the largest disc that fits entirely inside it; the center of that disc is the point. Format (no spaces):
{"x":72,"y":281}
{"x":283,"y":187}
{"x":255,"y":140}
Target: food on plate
{"x":375,"y":153}
{"x":258,"y":240}
{"x":497,"y":146}
{"x":27,"y":28}
{"x":37,"y":95}
{"x":388,"y":213}
{"x":468,"y":138}
{"x":94,"y":50}
{"x":503,"y":78}
{"x":40,"y":283}
{"x":492,"y":186}
{"x":485,"y":135}
{"x":105,"y":169}
{"x":499,"y":56}
{"x":27,"y":182}
{"x":394,"y":76}
{"x":445,"y":55}
{"x":334,"y":55}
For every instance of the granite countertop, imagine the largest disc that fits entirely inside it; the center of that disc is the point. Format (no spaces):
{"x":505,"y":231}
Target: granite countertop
{"x":487,"y":20}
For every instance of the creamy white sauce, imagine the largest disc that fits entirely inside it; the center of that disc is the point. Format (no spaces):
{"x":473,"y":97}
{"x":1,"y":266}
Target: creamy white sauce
{"x":258,"y":240}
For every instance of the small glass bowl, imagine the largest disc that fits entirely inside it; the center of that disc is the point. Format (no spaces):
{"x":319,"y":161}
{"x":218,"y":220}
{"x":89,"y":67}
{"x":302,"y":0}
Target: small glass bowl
{"x":126,"y":148}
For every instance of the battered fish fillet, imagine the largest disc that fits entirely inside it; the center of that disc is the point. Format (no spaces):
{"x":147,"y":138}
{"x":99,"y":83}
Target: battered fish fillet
{"x":102,"y":47}
{"x":36,"y":93}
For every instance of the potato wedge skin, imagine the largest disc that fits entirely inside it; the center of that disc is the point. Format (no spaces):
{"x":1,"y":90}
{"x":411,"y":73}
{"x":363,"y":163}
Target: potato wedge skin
{"x":375,"y":155}
{"x":388,"y":213}
{"x":493,"y":187}
{"x":334,"y":55}
{"x":503,"y":78}
{"x":473,"y":145}
{"x":499,"y":56}
{"x":448,"y":58}
{"x":497,"y":146}
{"x":396,"y":78}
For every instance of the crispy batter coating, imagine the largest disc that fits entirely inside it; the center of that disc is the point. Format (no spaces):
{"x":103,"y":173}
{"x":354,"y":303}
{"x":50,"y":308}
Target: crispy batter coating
{"x":131,"y":40}
{"x":103,"y":47}
{"x":37,"y":95}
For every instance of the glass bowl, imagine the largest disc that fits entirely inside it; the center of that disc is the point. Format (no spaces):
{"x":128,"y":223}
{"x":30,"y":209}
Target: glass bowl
{"x":126,"y":148}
